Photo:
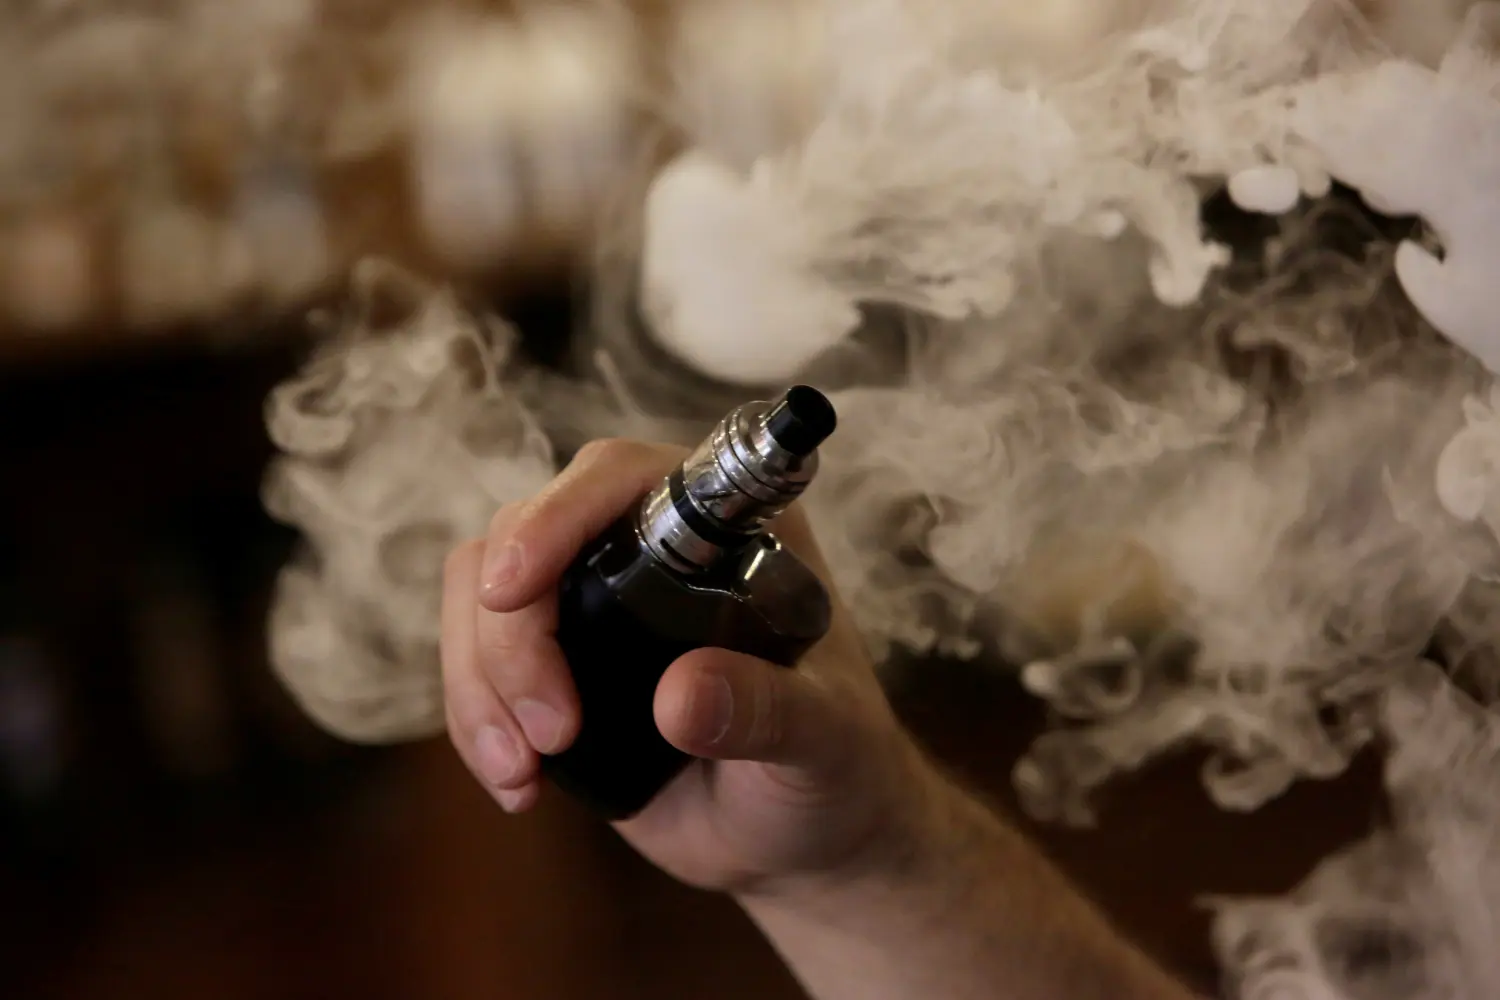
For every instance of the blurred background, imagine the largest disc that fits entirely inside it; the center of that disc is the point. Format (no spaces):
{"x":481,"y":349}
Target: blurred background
{"x":170,"y":826}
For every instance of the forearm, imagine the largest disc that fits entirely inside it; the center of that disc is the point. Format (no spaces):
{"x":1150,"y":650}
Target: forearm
{"x":972,"y":911}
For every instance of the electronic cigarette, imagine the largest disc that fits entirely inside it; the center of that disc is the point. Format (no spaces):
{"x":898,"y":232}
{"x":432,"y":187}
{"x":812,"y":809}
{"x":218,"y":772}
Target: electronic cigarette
{"x":693,"y":565}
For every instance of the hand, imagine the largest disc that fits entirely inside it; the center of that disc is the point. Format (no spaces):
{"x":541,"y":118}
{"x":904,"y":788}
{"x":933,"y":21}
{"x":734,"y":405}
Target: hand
{"x":804,"y":773}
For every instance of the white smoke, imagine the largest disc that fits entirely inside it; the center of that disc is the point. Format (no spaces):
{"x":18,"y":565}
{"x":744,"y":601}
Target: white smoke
{"x":1411,"y":912}
{"x":399,"y":440}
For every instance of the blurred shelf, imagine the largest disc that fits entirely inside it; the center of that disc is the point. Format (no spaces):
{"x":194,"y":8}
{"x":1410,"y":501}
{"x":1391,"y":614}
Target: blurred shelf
{"x":22,"y":351}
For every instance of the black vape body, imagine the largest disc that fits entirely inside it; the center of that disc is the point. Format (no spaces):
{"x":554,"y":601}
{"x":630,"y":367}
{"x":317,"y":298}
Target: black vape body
{"x":693,"y":566}
{"x":624,"y":617}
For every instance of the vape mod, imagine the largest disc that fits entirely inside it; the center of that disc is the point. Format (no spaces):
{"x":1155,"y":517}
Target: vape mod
{"x":692,"y":566}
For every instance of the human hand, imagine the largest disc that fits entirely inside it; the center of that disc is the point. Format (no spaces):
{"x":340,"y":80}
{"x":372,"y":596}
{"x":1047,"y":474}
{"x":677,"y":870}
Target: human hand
{"x":803,"y":774}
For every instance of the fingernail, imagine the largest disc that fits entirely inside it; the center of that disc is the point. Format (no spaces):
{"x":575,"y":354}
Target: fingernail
{"x":541,"y":723}
{"x":502,"y":568}
{"x":718,"y":698}
{"x":497,"y":755}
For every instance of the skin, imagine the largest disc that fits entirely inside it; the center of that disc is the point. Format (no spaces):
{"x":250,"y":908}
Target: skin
{"x":875,"y":876}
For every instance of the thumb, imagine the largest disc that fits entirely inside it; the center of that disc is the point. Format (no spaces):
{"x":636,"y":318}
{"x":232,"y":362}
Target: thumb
{"x":727,"y":706}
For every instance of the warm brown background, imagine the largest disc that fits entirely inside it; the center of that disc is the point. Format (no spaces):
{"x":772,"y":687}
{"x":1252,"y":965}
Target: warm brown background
{"x":299,"y":869}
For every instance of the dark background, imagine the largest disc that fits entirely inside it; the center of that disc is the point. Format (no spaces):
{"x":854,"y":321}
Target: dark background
{"x":170,"y":826}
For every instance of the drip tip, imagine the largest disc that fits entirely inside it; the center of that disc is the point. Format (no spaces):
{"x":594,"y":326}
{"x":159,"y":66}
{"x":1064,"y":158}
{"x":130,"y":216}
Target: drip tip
{"x":801,"y":419}
{"x":757,"y":461}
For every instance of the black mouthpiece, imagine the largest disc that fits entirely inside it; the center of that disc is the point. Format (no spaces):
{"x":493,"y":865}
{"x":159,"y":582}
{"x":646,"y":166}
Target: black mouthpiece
{"x":801,"y":420}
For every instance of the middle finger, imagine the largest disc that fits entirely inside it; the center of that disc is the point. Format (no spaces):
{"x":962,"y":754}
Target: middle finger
{"x":518,"y":653}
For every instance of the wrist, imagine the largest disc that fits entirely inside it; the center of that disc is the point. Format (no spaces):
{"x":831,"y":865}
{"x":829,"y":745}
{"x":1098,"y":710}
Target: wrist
{"x":952,"y":902}
{"x":929,"y":831}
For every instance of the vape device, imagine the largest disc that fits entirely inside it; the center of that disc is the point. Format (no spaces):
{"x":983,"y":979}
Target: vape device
{"x":692,"y":566}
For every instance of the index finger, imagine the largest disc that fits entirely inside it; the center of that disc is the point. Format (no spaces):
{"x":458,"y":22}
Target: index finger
{"x":601,"y":483}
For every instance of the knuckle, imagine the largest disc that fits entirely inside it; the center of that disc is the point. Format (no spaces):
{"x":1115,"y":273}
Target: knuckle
{"x":768,"y":723}
{"x":447,"y":658}
{"x":666,"y":452}
{"x":499,"y":653}
{"x":843,"y":703}
{"x":626,"y":451}
{"x":515,"y":669}
{"x":503,"y":519}
{"x":458,"y":734}
{"x":601,"y":451}
{"x":461,"y":556}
